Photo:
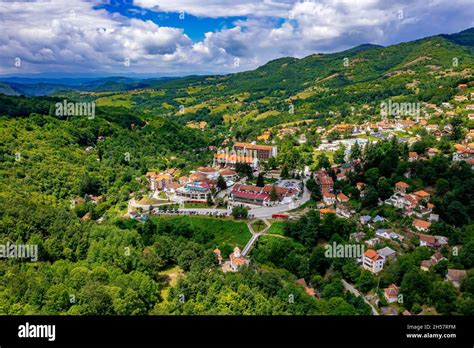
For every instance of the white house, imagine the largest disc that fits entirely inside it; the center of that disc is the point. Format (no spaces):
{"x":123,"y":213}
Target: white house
{"x":372,"y":261}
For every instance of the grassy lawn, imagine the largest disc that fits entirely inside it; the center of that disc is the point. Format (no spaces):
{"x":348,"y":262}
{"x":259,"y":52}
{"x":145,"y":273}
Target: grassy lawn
{"x":226,"y":232}
{"x":198,"y":205}
{"x":173,"y":274}
{"x":276,"y":228}
{"x":169,"y":206}
{"x":329,"y":155}
{"x":149,"y":200}
{"x":258,"y":225}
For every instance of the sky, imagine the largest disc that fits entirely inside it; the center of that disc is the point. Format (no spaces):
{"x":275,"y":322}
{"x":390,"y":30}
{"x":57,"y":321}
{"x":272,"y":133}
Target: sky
{"x":183,"y":37}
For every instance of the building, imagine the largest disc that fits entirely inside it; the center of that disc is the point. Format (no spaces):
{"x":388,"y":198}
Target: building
{"x":325,"y":211}
{"x":262,"y":152}
{"x":343,"y":211}
{"x":365,"y":219}
{"x":265,"y":136}
{"x":432,"y":241}
{"x":342,"y":198}
{"x":158,"y":181}
{"x":391,"y":293}
{"x":412,"y":156}
{"x":372,"y":261}
{"x":231,"y":159}
{"x":310,"y":291}
{"x":255,"y":195}
{"x":387,"y":253}
{"x":455,"y":276}
{"x":228,"y":174}
{"x":357,"y":236}
{"x":422,"y":195}
{"x":401,"y":187}
{"x":325,"y":182}
{"x":372,"y":242}
{"x":421,"y":225}
{"x":329,"y":198}
{"x":218,"y":255}
{"x":195,"y":191}
{"x":378,"y":218}
{"x":236,"y":259}
{"x":463,"y":153}
{"x":383,"y":233}
{"x":432,"y":261}
{"x":432,"y":152}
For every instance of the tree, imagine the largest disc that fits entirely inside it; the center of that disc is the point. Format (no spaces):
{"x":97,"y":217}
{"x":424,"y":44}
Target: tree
{"x":209,"y":199}
{"x":314,"y":188}
{"x":467,"y":254}
{"x":323,"y":161}
{"x":339,"y":155}
{"x":221,"y":183}
{"x":260,"y":180}
{"x":384,"y":188}
{"x":273,"y":194}
{"x":467,"y":285}
{"x":444,"y":297}
{"x":239,"y":212}
{"x":356,"y":151}
{"x":284,"y":172}
{"x":372,"y":176}
{"x":95,"y":300}
{"x":371,"y":197}
{"x":366,"y":281}
{"x":244,"y":169}
{"x":415,"y":286}
{"x":89,"y":185}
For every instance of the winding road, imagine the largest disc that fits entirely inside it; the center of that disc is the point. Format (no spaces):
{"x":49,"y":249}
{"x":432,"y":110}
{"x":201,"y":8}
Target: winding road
{"x":352,"y":289}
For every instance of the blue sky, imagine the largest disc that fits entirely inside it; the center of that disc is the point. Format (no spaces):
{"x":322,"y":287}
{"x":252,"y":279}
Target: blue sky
{"x":181,"y":37}
{"x":195,"y":27}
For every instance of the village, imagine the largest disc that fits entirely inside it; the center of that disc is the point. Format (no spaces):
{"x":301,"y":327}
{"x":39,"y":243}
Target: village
{"x":218,"y":189}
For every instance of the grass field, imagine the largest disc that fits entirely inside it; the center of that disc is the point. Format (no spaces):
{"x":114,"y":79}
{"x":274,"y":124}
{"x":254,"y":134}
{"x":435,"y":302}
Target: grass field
{"x":173,"y":274}
{"x":276,"y":228}
{"x":149,"y":200}
{"x":198,"y":205}
{"x":226,"y":232}
{"x":329,"y":155}
{"x":258,"y":225}
{"x":115,"y":100}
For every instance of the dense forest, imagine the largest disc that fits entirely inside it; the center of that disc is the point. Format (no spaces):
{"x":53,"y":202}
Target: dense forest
{"x":93,"y":260}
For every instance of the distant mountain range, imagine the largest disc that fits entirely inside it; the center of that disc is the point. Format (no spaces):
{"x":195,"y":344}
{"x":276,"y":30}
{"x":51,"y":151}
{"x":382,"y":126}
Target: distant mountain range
{"x":46,"y":86}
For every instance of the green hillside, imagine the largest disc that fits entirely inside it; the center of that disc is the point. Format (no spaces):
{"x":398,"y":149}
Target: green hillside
{"x":314,"y":85}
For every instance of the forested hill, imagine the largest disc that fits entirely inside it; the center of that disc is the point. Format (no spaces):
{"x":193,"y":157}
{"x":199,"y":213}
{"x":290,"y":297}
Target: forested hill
{"x":344,"y":83}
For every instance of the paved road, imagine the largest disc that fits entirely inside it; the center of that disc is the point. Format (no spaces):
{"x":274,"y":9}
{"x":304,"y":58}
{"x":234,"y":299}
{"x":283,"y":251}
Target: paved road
{"x":267,"y":212}
{"x":204,"y":211}
{"x":256,"y":212}
{"x":145,"y":207}
{"x":356,"y":292}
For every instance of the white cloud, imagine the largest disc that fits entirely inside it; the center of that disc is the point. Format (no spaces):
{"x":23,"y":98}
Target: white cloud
{"x":73,"y":36}
{"x":220,"y":8}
